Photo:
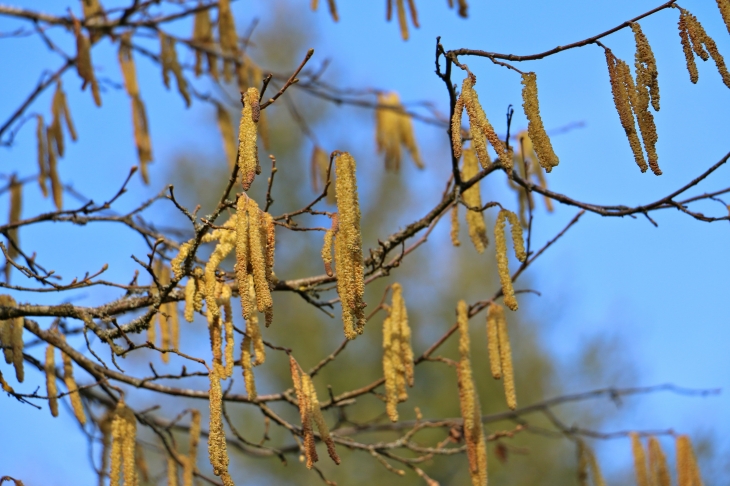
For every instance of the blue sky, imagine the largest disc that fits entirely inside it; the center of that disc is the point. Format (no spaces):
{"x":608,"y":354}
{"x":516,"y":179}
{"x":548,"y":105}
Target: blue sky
{"x":660,"y":291}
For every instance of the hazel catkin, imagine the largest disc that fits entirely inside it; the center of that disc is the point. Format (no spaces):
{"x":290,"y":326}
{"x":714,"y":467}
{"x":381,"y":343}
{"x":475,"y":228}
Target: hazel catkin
{"x":502,"y":262}
{"x":535,"y":128}
{"x":473,"y":199}
{"x":248,"y":159}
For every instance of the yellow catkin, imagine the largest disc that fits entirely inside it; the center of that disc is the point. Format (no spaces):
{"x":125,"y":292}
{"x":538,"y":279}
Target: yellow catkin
{"x":225,"y":300}
{"x":215,"y":331}
{"x":254,"y":330}
{"x":190,"y":460}
{"x":42,"y":156}
{"x":126,"y":63}
{"x":61,"y":112}
{"x":658,"y":469}
{"x":190,"y":290}
{"x":247,"y":367}
{"x":402,"y":21}
{"x":456,"y":141}
{"x":124,"y":440}
{"x":11,"y":339}
{"x":394,"y":130}
{"x":469,"y":403}
{"x":16,"y":208}
{"x":348,"y":248}
{"x":637,"y":450}
{"x":217,"y":447}
{"x":50,"y":369}
{"x":228,"y":37}
{"x":242,"y":254}
{"x":699,"y":38}
{"x":495,"y":313}
{"x":171,"y":471}
{"x":229,"y":138}
{"x":72,"y":387}
{"x":141,"y":136}
{"x":327,"y":251}
{"x":687,"y":48}
{"x":165,"y":324}
{"x":505,"y":359}
{"x":169,"y":61}
{"x":248,"y":159}
{"x":688,"y":473}
{"x":105,"y":427}
{"x":473,"y":199}
{"x":56,"y":186}
{"x":502,"y":262}
{"x":645,"y":64}
{"x":618,"y":72}
{"x":174,"y":319}
{"x":4,"y":385}
{"x":6,"y":330}
{"x":268,"y":243}
{"x":535,"y":128}
{"x":400,"y":318}
{"x":455,"y":225}
{"x":226,"y":237}
{"x":305,"y":411}
{"x":203,"y":36}
{"x":141,"y":464}
{"x":390,"y":371}
{"x":587,"y":464}
{"x":481,"y":129}
{"x":324,"y":432}
{"x":724,"y":6}
{"x":84,"y":66}
{"x":257,"y":257}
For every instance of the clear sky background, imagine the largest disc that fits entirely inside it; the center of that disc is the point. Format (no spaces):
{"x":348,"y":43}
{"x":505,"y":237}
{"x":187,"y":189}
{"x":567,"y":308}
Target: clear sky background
{"x":662,"y":293}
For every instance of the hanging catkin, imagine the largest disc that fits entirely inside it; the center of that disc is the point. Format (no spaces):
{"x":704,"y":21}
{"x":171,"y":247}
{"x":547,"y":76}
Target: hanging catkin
{"x":73,"y":389}
{"x":348,"y":247}
{"x":688,"y":473}
{"x":327,"y":246}
{"x":473,"y":199}
{"x":502,"y":262}
{"x":505,"y":359}
{"x":455,"y":225}
{"x":724,"y":6}
{"x":124,"y":441}
{"x":257,"y":256}
{"x":56,"y":186}
{"x":16,"y":208}
{"x":242,"y":254}
{"x":471,"y":410}
{"x":248,"y":159}
{"x":535,"y":128}
{"x":390,"y":370}
{"x":247,"y":367}
{"x":11,"y":339}
{"x":50,"y":368}
{"x":228,"y":38}
{"x":60,"y":111}
{"x":637,"y":450}
{"x":305,"y":412}
{"x":169,"y":61}
{"x":229,"y":138}
{"x":495,"y":312}
{"x":203,"y":36}
{"x":225,"y":301}
{"x":393,"y":129}
{"x":645,"y":64}
{"x":692,"y":32}
{"x":84,"y":66}
{"x":397,"y":353}
{"x":190,"y":460}
{"x":217,"y":447}
{"x":658,"y":469}
{"x":42,"y":156}
{"x":588,"y":462}
{"x":318,"y":419}
{"x":481,"y":129}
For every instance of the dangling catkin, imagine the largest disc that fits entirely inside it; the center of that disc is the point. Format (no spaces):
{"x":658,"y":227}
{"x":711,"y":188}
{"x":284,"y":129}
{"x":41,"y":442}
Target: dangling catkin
{"x":247,"y":367}
{"x":691,"y":30}
{"x":480,"y":126}
{"x":455,"y":225}
{"x":191,"y":287}
{"x":495,"y":313}
{"x":16,"y":208}
{"x":226,"y":237}
{"x":724,"y":6}
{"x":215,"y":330}
{"x":229,"y":138}
{"x":242,"y":254}
{"x":253,"y":329}
{"x":637,"y":449}
{"x":225,"y":301}
{"x":84,"y":66}
{"x":473,"y":199}
{"x":42,"y":156}
{"x":469,"y":403}
{"x":658,"y":464}
{"x":203,"y":36}
{"x":124,"y":441}
{"x":248,"y":159}
{"x":456,"y":141}
{"x":502,"y":262}
{"x":141,"y":136}
{"x":505,"y":361}
{"x":217,"y":447}
{"x":73,"y":389}
{"x":305,"y":411}
{"x":400,"y":320}
{"x":390,"y":369}
{"x":645,"y":64}
{"x":168,"y":56}
{"x":348,"y":247}
{"x":4,"y":385}
{"x":171,"y":471}
{"x":618,"y":72}
{"x":126,"y":62}
{"x":324,"y":432}
{"x":190,"y":460}
{"x":11,"y":339}
{"x":535,"y":128}
{"x":165,"y":324}
{"x":56,"y":186}
{"x":50,"y":369}
{"x":327,"y":250}
{"x":688,"y":474}
{"x":394,"y":129}
{"x":228,"y":37}
{"x":257,"y":256}
{"x":105,"y":427}
{"x":587,"y":460}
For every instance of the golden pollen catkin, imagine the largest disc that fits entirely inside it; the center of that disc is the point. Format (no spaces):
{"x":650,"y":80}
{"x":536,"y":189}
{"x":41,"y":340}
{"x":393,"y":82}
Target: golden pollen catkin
{"x":217,"y":447}
{"x":505,"y":360}
{"x":695,"y":33}
{"x":319,"y":420}
{"x":229,"y":138}
{"x":390,"y":371}
{"x":495,"y":312}
{"x":645,"y":63}
{"x":620,"y":77}
{"x":393,"y":130}
{"x":228,"y":37}
{"x":637,"y":450}
{"x":203,"y":36}
{"x":73,"y":389}
{"x":348,"y":248}
{"x":305,"y":411}
{"x":658,"y":470}
{"x":473,"y":199}
{"x":124,"y":440}
{"x":455,"y":225}
{"x":588,"y":461}
{"x":247,"y":367}
{"x":688,"y":473}
{"x":42,"y":156}
{"x":50,"y":369}
{"x":189,"y":463}
{"x":502,"y":262}
{"x":16,"y":208}
{"x":84,"y":66}
{"x":481,"y":129}
{"x":469,"y":403}
{"x":248,"y":158}
{"x":687,"y":48}
{"x":535,"y":128}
